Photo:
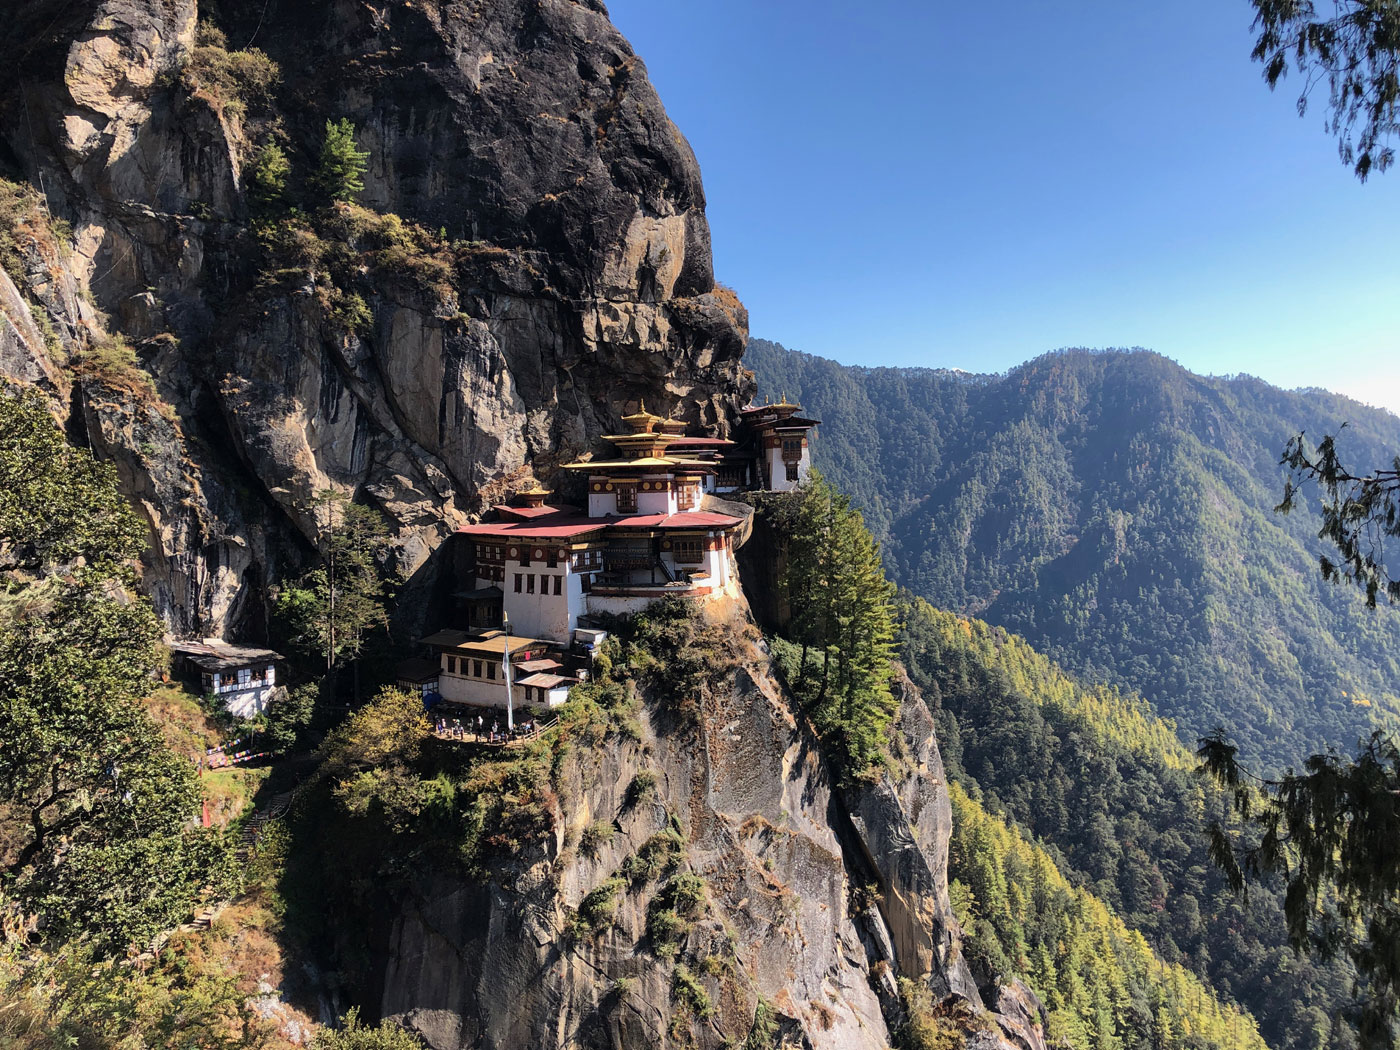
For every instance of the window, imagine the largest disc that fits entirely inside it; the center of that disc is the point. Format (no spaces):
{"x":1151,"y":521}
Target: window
{"x":792,"y":447}
{"x":792,"y":471}
{"x":517,"y":583}
{"x":476,"y":668}
{"x":530,"y":583}
{"x":626,"y":499}
{"x":551,"y":559}
{"x":451,"y":665}
{"x":586,"y":582}
{"x":558,"y":584}
{"x":491,"y":670}
{"x":689,"y":551}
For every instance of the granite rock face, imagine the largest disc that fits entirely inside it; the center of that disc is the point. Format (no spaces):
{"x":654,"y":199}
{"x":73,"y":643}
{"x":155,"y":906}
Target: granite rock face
{"x":493,"y":965}
{"x":526,"y":133}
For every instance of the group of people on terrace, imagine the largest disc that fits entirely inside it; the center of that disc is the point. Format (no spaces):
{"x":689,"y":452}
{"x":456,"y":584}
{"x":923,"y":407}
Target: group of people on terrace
{"x":476,"y":728}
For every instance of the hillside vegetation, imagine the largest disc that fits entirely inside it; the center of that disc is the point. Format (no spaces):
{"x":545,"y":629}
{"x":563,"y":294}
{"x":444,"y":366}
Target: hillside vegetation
{"x":1108,"y":791}
{"x":1117,"y":511}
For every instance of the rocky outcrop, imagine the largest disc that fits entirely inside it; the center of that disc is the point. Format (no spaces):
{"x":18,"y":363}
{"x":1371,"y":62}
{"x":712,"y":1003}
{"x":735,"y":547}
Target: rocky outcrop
{"x":493,"y":965}
{"x":903,"y":822}
{"x":574,"y":276}
{"x":788,"y":921}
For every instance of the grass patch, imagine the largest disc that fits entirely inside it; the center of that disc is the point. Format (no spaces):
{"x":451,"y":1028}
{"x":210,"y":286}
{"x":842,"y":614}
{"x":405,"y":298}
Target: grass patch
{"x":596,"y":836}
{"x":658,"y":855}
{"x":596,"y":910}
{"x":689,"y":992}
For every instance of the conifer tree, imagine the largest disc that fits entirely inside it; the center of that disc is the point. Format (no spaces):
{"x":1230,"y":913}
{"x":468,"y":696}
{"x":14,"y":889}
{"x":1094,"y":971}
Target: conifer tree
{"x":267,"y":182}
{"x":340,"y":175}
{"x":334,"y":607}
{"x":843,"y":612}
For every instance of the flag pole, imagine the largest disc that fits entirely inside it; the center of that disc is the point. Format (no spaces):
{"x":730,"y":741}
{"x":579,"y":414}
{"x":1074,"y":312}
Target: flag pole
{"x":505,"y":663}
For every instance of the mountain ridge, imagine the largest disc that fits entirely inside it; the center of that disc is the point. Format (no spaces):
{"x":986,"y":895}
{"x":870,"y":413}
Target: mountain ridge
{"x":1117,"y":511}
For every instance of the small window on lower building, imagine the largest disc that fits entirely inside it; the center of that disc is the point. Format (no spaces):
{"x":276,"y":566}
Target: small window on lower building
{"x":451,"y":665}
{"x":792,"y":471}
{"x":476,"y":668}
{"x":490,"y":671}
{"x":558,"y":585}
{"x":517,"y":583}
{"x":530,"y":584}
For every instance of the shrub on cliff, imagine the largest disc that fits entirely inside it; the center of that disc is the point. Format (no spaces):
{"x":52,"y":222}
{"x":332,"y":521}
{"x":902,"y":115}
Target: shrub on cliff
{"x":229,"y":81}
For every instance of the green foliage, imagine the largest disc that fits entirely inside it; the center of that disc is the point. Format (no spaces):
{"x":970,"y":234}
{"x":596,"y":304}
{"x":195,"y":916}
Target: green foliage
{"x":1356,"y":51}
{"x":597,"y":835}
{"x":1359,"y":512}
{"x":657,"y":856}
{"x":1117,"y":512}
{"x":643,"y":786}
{"x":688,"y":991}
{"x":349,"y":312}
{"x":110,"y":361}
{"x":340,"y":174}
{"x":842,"y":615}
{"x":335,"y":606}
{"x":1111,"y":794}
{"x":1330,"y":833}
{"x":354,"y":1034}
{"x":88,"y":786}
{"x":267,"y":178}
{"x":933,"y":1026}
{"x":1101,"y":983}
{"x":231,"y":81}
{"x":764,"y":1033}
{"x":288,"y":720}
{"x":599,"y":905}
{"x":672,"y":913}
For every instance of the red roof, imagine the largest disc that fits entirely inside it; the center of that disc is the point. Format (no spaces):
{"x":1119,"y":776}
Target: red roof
{"x":695,"y":519}
{"x":535,"y":530}
{"x":523,"y":513}
{"x":574,"y":526}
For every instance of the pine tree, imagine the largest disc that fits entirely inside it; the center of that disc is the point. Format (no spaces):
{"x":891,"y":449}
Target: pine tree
{"x":267,"y":181}
{"x":843,"y":612}
{"x":340,"y":175}
{"x":335,"y":606}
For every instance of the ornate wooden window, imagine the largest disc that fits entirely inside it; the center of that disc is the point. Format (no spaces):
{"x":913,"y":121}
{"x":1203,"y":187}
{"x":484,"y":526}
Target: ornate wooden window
{"x":689,"y":550}
{"x":626,"y":499}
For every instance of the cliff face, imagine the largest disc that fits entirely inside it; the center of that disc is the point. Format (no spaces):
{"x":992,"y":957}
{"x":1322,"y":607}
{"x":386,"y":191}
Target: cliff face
{"x":569,"y":276}
{"x":555,"y":270}
{"x":809,"y":908}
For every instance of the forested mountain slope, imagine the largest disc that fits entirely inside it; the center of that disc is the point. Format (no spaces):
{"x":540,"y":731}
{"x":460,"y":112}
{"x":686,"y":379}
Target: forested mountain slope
{"x":1108,"y":790}
{"x":1117,"y":511}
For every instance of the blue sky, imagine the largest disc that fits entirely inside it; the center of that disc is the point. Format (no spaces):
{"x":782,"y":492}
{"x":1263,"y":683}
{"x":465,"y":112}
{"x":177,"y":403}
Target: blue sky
{"x":968,"y":186}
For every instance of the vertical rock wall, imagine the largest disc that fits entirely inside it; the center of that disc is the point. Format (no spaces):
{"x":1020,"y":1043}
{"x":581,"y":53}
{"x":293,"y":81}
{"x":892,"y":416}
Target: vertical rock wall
{"x":526,"y":133}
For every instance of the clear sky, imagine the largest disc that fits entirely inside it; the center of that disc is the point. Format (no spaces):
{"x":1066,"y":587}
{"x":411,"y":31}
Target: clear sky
{"x":970,"y":185}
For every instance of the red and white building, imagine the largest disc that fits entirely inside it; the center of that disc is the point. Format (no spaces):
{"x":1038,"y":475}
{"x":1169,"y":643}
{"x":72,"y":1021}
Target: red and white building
{"x":541,"y":568}
{"x":643,"y":537}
